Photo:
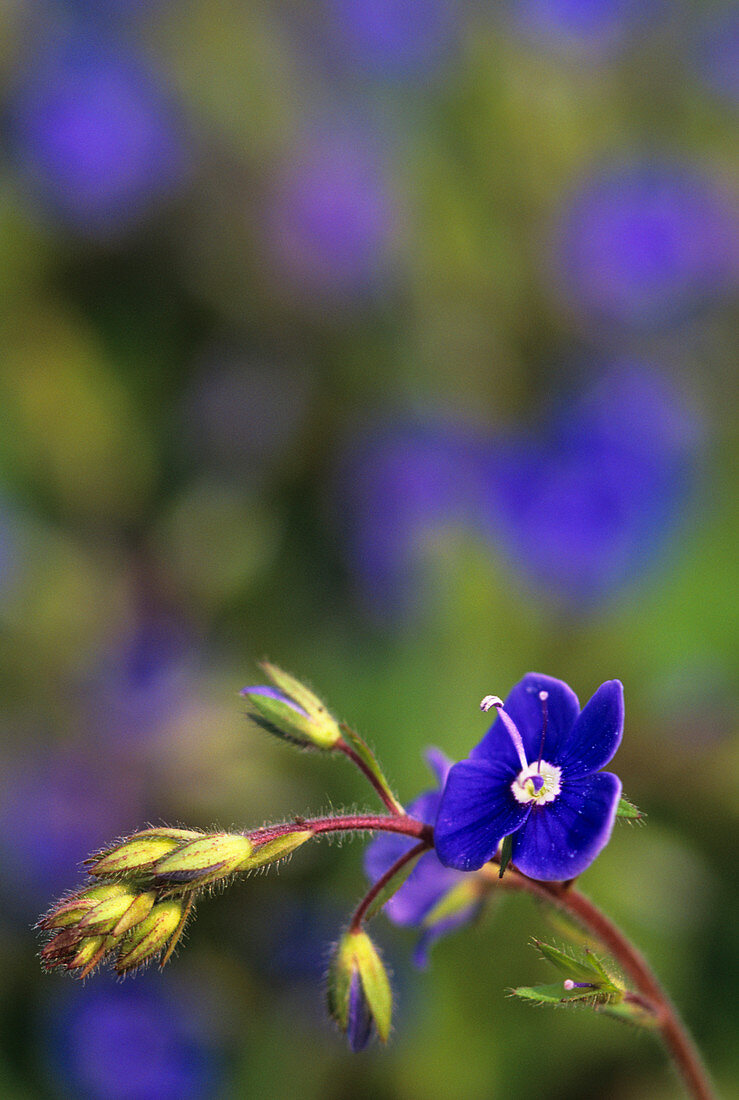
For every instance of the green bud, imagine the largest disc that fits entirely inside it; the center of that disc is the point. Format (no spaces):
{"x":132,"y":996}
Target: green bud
{"x":207,"y":859}
{"x":151,"y":935}
{"x":70,"y":910}
{"x":117,"y":914}
{"x":292,"y":711}
{"x":276,"y":849}
{"x":359,"y":994}
{"x":139,"y":852}
{"x":89,"y":948}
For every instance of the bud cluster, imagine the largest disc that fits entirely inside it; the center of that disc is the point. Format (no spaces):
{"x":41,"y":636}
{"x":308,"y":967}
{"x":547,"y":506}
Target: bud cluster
{"x":143,"y":892}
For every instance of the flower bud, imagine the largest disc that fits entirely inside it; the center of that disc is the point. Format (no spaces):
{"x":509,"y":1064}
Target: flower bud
{"x":276,"y":849}
{"x":205,"y":860}
{"x":137,"y":854}
{"x":117,"y":914}
{"x":291,"y":711}
{"x":161,"y":927}
{"x":359,"y":994}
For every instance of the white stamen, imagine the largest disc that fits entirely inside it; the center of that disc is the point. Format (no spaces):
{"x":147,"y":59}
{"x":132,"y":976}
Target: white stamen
{"x":510,"y":725}
{"x":490,"y":701}
{"x":543,"y":695}
{"x":568,"y":984}
{"x":525,"y":790}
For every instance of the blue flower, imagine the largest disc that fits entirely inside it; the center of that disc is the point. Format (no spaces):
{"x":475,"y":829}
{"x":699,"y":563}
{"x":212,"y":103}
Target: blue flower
{"x":645,"y":243}
{"x":331,"y":219}
{"x":534,"y":777}
{"x":393,"y":37}
{"x":587,"y":26}
{"x":133,"y":1042}
{"x":587,"y":503}
{"x":403,"y":485}
{"x":433,"y":898}
{"x":95,"y":133}
{"x":717,"y":54}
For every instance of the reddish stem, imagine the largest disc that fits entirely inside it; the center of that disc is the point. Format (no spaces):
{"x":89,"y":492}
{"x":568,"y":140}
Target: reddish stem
{"x":383,"y":880}
{"x":674,"y":1034}
{"x":356,"y":823}
{"x":388,"y":800}
{"x":677,"y":1040}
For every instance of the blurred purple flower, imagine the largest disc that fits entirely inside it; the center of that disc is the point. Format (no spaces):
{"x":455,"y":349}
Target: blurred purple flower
{"x":331,"y":219}
{"x":587,"y":504}
{"x":141,"y":680}
{"x":584,"y":26}
{"x":429,"y":883}
{"x":95,"y":134}
{"x":132,"y":1041}
{"x":644,"y":244}
{"x":717,"y":54}
{"x":393,"y":37}
{"x":401,"y":485}
{"x":54,"y":812}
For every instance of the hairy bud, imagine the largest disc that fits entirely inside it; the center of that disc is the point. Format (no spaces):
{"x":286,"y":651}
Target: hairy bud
{"x":359,"y":994}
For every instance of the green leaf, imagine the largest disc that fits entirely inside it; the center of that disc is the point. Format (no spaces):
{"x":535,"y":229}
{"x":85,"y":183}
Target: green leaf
{"x":506,"y":850}
{"x":629,"y":811}
{"x":554,"y":994}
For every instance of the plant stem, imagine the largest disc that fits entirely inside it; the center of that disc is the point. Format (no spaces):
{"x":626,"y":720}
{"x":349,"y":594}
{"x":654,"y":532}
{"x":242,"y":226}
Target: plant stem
{"x":674,"y":1033}
{"x":352,"y":823}
{"x":384,"y":794}
{"x":383,"y":880}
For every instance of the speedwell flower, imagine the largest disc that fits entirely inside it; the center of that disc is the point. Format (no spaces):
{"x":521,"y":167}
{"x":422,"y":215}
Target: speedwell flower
{"x":434,"y":899}
{"x":534,"y":777}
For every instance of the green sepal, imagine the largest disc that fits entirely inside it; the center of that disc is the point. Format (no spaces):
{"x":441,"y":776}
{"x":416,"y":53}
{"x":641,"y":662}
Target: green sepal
{"x":276,"y":849}
{"x":571,"y":968}
{"x":107,"y":915}
{"x":390,"y":888}
{"x":553,"y":994}
{"x":294,"y":689}
{"x":589,"y":968}
{"x":460,"y":897}
{"x":628,"y":810}
{"x":631,"y":1012}
{"x":368,"y":758}
{"x":150,"y":936}
{"x":279,"y":718}
{"x":205,"y":860}
{"x":506,"y":851}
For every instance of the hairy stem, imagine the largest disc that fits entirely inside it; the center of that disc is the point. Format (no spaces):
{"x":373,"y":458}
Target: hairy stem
{"x":384,"y":794}
{"x":349,"y":823}
{"x":674,"y":1033}
{"x":383,"y":880}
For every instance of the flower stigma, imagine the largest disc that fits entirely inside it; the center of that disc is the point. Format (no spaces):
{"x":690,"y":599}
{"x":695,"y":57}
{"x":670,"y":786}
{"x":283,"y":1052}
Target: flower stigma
{"x":538,"y":783}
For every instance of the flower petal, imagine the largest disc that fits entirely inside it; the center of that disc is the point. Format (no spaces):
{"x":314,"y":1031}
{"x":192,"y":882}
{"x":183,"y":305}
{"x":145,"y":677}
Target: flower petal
{"x":433,"y":932}
{"x":439,"y":763}
{"x":562,"y":838}
{"x":273,"y":693}
{"x":596,"y":734}
{"x":477,"y":810}
{"x":525,"y":708}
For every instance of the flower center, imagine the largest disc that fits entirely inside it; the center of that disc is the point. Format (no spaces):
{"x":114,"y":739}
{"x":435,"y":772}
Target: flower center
{"x":538,"y":783}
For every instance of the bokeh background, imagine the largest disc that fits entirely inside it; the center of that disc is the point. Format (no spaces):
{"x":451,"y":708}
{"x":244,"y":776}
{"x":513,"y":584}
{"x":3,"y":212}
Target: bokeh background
{"x":390,"y":340}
